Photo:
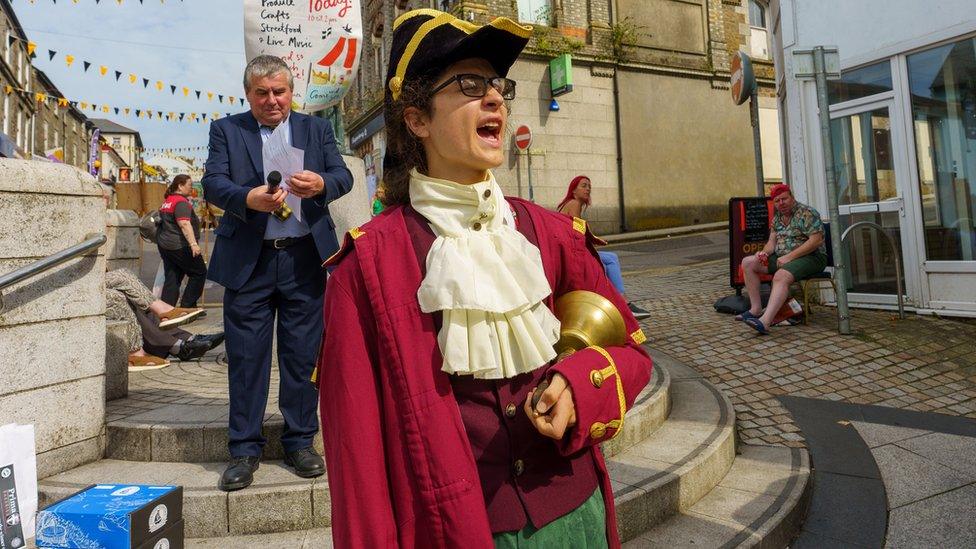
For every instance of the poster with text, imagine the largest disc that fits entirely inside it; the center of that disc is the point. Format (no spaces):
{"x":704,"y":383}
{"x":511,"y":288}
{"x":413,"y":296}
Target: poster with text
{"x":320,"y":40}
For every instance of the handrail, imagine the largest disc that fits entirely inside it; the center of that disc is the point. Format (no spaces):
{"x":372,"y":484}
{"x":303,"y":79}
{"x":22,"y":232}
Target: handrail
{"x":92,"y":241}
{"x":894,"y":248}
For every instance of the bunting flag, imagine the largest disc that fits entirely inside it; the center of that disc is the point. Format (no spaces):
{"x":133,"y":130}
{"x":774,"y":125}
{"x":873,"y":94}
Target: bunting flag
{"x":103,"y":70}
{"x":59,"y":102}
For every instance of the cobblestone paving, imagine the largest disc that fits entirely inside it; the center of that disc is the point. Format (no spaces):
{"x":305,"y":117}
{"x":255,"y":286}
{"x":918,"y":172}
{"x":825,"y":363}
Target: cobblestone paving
{"x":922,"y":363}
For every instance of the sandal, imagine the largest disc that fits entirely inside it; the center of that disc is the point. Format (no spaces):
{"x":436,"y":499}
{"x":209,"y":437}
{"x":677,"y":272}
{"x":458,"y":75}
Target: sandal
{"x":757,"y":325}
{"x":138,"y":363}
{"x":747,"y":314}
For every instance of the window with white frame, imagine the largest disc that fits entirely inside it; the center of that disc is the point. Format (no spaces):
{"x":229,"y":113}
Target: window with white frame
{"x":536,"y":11}
{"x":759,"y":33}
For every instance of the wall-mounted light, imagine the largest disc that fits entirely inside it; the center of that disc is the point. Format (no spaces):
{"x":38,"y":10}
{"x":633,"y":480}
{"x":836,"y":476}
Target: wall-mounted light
{"x":553,"y":105}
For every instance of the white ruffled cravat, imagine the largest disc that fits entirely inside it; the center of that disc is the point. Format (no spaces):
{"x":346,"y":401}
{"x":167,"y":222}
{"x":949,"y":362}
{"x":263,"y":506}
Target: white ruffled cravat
{"x":487,"y":280}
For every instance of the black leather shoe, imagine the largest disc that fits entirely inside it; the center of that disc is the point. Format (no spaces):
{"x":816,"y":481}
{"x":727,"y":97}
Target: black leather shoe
{"x":212,"y":340}
{"x":306,"y":462}
{"x":192,"y":349}
{"x":239,"y":474}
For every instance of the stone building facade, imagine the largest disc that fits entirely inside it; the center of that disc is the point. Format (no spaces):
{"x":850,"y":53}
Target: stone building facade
{"x":60,"y":126}
{"x":16,"y":85}
{"x":650,"y":119}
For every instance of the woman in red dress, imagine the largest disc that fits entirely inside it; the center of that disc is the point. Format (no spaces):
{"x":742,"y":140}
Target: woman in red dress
{"x":439,"y":327}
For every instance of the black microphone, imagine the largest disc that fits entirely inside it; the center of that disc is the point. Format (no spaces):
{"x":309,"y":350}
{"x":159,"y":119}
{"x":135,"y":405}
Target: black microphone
{"x":274,"y":179}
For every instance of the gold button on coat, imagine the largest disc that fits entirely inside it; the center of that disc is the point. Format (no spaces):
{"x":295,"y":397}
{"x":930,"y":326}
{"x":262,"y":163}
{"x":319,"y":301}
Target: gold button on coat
{"x":487,"y":193}
{"x":519,"y":467}
{"x":596,"y":378}
{"x":510,"y":410}
{"x":476,"y":226}
{"x":597,"y":430}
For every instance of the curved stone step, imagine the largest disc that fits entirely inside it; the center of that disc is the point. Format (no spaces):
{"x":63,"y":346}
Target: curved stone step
{"x":679,"y":463}
{"x":760,"y":503}
{"x":278,"y":501}
{"x":179,"y":414}
{"x":194,"y":430}
{"x":649,"y":412}
{"x":319,"y":538}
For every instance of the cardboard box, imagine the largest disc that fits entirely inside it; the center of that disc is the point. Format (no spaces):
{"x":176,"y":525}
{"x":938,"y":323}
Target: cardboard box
{"x":111,"y":516}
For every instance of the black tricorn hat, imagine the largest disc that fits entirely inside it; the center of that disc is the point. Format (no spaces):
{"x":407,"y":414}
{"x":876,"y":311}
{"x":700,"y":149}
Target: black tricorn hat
{"x":427,"y":41}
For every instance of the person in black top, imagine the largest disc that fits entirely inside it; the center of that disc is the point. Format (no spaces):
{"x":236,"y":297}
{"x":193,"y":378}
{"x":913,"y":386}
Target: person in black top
{"x":177,"y":239}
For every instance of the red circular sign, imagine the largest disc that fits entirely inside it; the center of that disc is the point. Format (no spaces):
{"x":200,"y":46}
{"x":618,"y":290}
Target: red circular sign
{"x":742,"y":80}
{"x":523,"y":137}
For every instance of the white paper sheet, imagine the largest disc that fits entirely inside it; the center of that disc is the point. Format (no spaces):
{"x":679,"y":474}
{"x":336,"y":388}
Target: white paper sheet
{"x":277,"y":154}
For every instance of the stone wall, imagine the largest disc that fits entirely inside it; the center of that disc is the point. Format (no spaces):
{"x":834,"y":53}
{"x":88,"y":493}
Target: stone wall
{"x":123,"y":247}
{"x":52,"y":342}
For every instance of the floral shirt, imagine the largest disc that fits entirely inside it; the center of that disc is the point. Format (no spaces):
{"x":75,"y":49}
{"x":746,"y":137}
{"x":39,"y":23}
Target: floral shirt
{"x":804,"y":223}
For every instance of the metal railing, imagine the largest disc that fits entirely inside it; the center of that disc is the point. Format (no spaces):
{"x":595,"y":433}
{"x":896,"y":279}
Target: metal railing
{"x":91,"y":242}
{"x":894,"y":248}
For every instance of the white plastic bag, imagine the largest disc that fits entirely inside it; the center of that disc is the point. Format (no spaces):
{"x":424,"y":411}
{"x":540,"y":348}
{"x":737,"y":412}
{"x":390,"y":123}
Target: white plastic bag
{"x":17,"y":459}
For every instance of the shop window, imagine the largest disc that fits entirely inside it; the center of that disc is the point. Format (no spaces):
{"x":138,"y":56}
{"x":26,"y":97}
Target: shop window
{"x":942,"y":81}
{"x":536,"y":11}
{"x":860,"y":82}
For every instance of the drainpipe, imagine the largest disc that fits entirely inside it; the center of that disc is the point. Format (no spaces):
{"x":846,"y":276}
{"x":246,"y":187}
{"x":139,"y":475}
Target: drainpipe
{"x":616,"y":117}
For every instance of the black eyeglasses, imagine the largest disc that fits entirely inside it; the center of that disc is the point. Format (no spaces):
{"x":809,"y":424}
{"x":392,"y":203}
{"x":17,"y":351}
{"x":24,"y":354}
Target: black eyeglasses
{"x":475,"y":85}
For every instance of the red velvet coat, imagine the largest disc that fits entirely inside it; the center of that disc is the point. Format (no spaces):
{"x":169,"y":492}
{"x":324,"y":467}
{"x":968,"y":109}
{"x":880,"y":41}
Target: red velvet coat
{"x":400,"y":467}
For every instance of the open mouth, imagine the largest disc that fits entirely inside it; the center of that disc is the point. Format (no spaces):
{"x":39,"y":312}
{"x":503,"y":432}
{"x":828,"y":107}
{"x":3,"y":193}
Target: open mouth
{"x":491,"y":133}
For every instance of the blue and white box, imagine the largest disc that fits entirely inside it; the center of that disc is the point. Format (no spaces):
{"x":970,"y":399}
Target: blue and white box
{"x":111,"y":516}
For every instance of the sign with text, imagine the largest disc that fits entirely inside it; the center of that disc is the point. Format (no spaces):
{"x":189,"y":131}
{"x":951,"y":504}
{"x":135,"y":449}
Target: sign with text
{"x":320,"y":40}
{"x":749,"y":221}
{"x":561,"y":75}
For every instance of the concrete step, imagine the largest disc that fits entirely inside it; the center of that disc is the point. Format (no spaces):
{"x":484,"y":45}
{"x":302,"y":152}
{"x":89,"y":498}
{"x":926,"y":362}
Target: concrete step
{"x":671,"y":470}
{"x":182,"y":429}
{"x":760,"y":503}
{"x":319,"y":538}
{"x":649,"y":412}
{"x":278,"y":501}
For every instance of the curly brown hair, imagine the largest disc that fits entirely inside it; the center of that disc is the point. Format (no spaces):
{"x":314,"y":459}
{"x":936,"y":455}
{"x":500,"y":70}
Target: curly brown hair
{"x":404,"y":151}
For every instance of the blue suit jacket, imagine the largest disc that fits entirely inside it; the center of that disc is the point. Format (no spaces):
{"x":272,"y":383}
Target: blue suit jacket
{"x":234,"y":167}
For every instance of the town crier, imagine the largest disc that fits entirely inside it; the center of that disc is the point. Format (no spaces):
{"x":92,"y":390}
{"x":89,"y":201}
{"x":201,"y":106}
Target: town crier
{"x":439,"y":327}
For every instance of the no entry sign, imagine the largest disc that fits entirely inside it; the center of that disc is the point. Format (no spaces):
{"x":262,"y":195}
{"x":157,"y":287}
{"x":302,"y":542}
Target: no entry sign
{"x":523,"y":137}
{"x":742,"y":80}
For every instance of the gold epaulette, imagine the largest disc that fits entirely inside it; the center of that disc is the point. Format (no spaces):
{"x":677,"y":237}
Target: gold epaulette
{"x":347,"y":241}
{"x":580,"y":226}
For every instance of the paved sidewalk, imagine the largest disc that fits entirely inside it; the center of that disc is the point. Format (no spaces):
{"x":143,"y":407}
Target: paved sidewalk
{"x":926,"y":364}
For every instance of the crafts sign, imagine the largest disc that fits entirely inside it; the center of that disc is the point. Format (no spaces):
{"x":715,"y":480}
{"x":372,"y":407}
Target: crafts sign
{"x":749,"y":221}
{"x":320,"y":40}
{"x":523,"y":137}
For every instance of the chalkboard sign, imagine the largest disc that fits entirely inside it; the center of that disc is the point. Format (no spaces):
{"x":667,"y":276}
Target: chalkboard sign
{"x":749,"y":221}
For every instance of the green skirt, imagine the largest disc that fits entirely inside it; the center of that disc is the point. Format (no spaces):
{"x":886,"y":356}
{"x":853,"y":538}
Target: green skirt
{"x":582,"y":528}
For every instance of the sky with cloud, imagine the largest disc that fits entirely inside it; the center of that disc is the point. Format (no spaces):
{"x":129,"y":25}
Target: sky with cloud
{"x":198,"y":44}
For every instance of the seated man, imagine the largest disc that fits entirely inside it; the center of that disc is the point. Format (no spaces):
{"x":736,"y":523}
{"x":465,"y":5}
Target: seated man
{"x":795,"y":250}
{"x":128,"y":300}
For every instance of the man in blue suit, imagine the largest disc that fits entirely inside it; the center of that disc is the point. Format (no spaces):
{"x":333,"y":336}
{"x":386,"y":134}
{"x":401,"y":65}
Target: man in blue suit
{"x":270,"y":266}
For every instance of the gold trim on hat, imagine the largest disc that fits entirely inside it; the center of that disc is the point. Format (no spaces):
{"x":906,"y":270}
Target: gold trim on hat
{"x":439,"y":19}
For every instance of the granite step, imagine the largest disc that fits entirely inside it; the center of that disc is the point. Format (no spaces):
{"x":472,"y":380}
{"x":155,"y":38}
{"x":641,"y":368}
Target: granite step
{"x":677,"y":465}
{"x":278,"y":501}
{"x":760,"y":503}
{"x":168,"y":426}
{"x":318,"y":538}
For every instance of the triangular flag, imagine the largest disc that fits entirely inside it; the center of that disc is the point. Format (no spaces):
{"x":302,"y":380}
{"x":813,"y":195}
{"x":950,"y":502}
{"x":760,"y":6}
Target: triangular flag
{"x":39,"y":97}
{"x":51,"y":54}
{"x":87,"y":64}
{"x":117,"y":75}
{"x":172,"y":89}
{"x":69,"y":59}
{"x":231,"y":98}
{"x":8,"y":89}
{"x":145,"y":82}
{"x":116,"y":110}
{"x":83,"y":105}
{"x":159,"y":85}
{"x":126,"y":111}
{"x":198,"y":93}
{"x":102,"y":70}
{"x":132,"y":78}
{"x":186,"y":91}
{"x":105,"y":108}
{"x":62,"y":102}
{"x":31,"y":47}
{"x":209,"y":96}
{"x":138,"y":113}
{"x":220,"y":98}
{"x":182,"y":114}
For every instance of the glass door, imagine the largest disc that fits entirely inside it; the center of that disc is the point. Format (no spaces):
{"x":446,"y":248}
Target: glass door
{"x":869,"y":190}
